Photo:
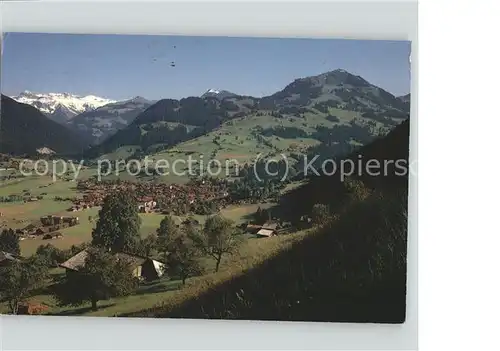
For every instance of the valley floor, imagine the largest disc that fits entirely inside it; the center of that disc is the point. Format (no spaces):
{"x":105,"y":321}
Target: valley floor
{"x":19,"y":214}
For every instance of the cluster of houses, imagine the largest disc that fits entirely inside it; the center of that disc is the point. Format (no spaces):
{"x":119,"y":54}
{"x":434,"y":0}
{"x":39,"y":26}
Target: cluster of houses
{"x":47,"y":227}
{"x":153,"y":197}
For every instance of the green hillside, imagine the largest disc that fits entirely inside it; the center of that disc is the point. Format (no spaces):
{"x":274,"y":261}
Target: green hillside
{"x":323,"y":101}
{"x":352,"y":269}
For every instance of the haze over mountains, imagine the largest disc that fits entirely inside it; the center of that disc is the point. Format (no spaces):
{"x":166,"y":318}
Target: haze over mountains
{"x":307,"y":105}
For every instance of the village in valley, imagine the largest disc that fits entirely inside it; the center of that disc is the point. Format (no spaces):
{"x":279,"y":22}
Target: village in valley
{"x":137,"y":192}
{"x":64,"y":236}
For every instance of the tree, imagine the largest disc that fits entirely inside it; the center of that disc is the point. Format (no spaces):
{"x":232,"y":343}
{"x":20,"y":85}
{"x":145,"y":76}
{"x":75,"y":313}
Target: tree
{"x":320,"y":215}
{"x":119,"y":223}
{"x":167,"y":230}
{"x":100,"y":278}
{"x":52,"y":255}
{"x":9,"y":242}
{"x":144,"y":247}
{"x":19,"y":279}
{"x":258,"y":215}
{"x":357,"y":190}
{"x":218,"y":238}
{"x":183,"y":255}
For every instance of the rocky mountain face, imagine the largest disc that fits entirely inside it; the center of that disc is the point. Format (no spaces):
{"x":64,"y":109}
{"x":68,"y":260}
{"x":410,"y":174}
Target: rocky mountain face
{"x":61,"y":107}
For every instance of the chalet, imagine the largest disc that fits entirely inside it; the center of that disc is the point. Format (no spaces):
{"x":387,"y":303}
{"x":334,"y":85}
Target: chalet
{"x":143,"y":268}
{"x":7,"y":258}
{"x":268,"y":229}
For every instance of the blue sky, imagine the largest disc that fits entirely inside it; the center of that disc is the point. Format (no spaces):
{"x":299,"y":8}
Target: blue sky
{"x":123,"y":66}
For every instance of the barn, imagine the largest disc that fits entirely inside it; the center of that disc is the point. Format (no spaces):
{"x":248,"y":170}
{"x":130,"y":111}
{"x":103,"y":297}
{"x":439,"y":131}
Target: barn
{"x":268,"y":229}
{"x":144,"y":268}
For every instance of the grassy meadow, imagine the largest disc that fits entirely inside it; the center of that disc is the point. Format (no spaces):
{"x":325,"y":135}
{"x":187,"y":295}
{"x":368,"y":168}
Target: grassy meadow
{"x":252,"y":252}
{"x":19,"y":214}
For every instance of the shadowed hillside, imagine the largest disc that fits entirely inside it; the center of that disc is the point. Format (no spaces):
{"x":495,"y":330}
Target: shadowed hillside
{"x":171,"y":121}
{"x":23,"y":129}
{"x":96,"y":125}
{"x":331,"y":190}
{"x":353,"y":269}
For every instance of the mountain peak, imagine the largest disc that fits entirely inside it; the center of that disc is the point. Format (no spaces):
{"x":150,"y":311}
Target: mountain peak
{"x":405,"y":98}
{"x":220,"y":94}
{"x":52,"y":103}
{"x":341,"y":76}
{"x":139,"y":99}
{"x":27,"y":93}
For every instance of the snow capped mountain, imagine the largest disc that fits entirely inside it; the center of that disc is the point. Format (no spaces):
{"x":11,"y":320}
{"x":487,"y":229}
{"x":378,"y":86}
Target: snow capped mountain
{"x":219,"y":94}
{"x":61,"y":107}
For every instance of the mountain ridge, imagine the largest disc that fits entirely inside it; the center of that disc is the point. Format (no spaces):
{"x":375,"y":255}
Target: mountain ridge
{"x":98,"y":124}
{"x":24,"y":129}
{"x":61,"y":107}
{"x":194,"y":116}
{"x":307,"y":103}
{"x":219,"y":94}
